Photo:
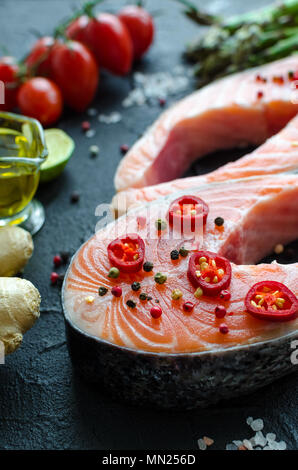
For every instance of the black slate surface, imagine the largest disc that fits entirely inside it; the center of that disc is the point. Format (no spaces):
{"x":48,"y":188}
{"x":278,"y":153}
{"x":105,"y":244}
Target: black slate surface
{"x":43,"y":405}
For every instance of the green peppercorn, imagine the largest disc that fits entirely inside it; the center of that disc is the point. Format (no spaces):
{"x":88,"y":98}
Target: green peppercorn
{"x":114,"y":273}
{"x":160,"y":278}
{"x":131,"y":304}
{"x":219,"y":221}
{"x":148,"y":266}
{"x":102,"y":291}
{"x":143,"y":296}
{"x":183,"y":252}
{"x":174,"y":254}
{"x":160,"y":224}
{"x":136,"y":286}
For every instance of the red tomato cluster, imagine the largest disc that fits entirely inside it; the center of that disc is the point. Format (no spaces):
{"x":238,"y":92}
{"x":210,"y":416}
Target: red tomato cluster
{"x":67,"y":71}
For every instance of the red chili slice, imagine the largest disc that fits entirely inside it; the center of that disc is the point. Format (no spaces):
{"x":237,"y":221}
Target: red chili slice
{"x":187,"y":211}
{"x":209,"y":271}
{"x":127,"y":253}
{"x":271,"y":300}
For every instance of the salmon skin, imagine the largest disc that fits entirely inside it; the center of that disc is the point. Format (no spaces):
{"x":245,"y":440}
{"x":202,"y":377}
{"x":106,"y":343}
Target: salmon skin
{"x":264,"y":205}
{"x":277,"y":154}
{"x":241,"y":109}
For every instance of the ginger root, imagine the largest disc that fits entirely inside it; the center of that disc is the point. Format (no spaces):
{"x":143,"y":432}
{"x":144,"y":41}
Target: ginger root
{"x":19,"y":309}
{"x":16,"y":247}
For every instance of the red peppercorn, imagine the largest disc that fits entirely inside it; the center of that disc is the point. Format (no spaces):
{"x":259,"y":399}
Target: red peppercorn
{"x":57,"y":260}
{"x":188,"y":306}
{"x":156,"y":311}
{"x":225,"y":295}
{"x":116,"y":291}
{"x":54,"y":278}
{"x":220,"y":311}
{"x":85,"y":126}
{"x":124,"y":148}
{"x":223,"y":328}
{"x":260,"y":95}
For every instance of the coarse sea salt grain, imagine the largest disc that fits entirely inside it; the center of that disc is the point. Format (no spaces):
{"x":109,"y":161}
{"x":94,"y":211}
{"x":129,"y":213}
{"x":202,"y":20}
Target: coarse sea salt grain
{"x":259,"y":441}
{"x":202,"y":444}
{"x":247,"y":444}
{"x":147,"y":87}
{"x":270,"y":436}
{"x":111,"y":118}
{"x":90,"y":133}
{"x":92,"y":112}
{"x":257,"y":425}
{"x":231,"y":447}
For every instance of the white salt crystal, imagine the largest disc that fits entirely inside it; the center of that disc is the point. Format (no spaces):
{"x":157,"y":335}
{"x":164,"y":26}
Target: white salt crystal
{"x":247,"y":444}
{"x":231,"y":447}
{"x":257,"y":425}
{"x":270,"y":436}
{"x":282,"y":445}
{"x":237,"y":443}
{"x":202,"y":444}
{"x":91,"y":112}
{"x":260,"y":439}
{"x":90,"y":133}
{"x":111,"y":118}
{"x":249,"y":420}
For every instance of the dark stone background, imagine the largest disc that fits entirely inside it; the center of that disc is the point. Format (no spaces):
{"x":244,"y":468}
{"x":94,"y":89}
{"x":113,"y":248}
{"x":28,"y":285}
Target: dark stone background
{"x":43,"y":405}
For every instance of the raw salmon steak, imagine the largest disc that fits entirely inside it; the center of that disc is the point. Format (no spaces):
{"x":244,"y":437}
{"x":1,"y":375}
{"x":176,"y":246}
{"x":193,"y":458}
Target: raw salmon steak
{"x":258,"y":213}
{"x":277,"y":154}
{"x":241,"y":109}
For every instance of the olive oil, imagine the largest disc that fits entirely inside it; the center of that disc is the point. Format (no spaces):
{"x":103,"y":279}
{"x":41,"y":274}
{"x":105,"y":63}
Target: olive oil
{"x":18,"y":177}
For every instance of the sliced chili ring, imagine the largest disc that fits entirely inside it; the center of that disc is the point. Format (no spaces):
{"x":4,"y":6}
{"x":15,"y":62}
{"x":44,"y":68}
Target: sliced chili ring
{"x":187,"y":212}
{"x":271,"y":300}
{"x":127,"y":253}
{"x":209,"y":271}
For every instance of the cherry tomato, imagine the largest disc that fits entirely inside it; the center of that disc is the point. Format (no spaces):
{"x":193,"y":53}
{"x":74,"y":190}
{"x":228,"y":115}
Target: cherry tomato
{"x":41,"y":99}
{"x":140,"y":26}
{"x":111,"y":43}
{"x":39,"y":60}
{"x":75,"y":71}
{"x":127,"y":253}
{"x":9,"y":70}
{"x":271,"y":300}
{"x":76,"y":30}
{"x":209,"y":271}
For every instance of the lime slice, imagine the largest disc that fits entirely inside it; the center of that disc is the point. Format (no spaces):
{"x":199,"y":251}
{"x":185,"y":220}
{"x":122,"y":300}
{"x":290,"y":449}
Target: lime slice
{"x":60,"y":147}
